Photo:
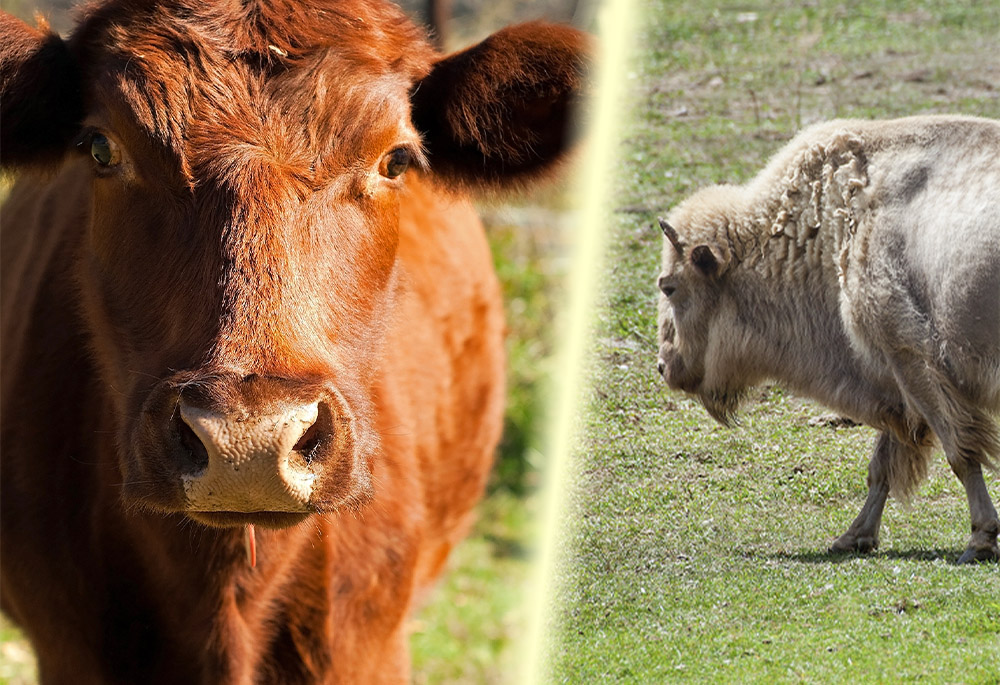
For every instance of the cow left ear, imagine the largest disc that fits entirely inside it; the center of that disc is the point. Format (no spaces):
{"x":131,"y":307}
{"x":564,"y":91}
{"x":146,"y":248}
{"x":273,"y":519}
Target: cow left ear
{"x":40,"y":102}
{"x":500,"y":112}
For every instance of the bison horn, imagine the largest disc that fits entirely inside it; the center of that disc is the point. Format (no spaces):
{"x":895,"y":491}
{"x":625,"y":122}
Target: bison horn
{"x":671,"y":234}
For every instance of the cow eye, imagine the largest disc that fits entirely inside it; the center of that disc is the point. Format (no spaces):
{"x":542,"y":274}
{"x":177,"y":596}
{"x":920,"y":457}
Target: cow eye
{"x":396,"y":162}
{"x":104,"y":152}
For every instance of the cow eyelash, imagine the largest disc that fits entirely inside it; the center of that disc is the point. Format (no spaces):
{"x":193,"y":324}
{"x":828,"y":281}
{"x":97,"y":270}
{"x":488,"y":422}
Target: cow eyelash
{"x":83,"y":137}
{"x":395,"y":163}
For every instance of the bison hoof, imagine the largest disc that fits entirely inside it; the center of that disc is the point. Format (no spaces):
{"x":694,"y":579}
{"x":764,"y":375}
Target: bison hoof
{"x":849,"y":543}
{"x":973,"y":555}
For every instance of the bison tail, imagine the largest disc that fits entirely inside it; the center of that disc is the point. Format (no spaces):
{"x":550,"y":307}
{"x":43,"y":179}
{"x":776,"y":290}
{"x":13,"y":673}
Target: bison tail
{"x":906,"y":461}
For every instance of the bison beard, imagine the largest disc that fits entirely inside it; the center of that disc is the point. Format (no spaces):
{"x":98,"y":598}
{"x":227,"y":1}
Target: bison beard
{"x":722,"y":405}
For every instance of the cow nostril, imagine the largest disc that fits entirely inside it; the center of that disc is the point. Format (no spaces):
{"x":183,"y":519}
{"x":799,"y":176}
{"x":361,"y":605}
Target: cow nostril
{"x":195,"y":454}
{"x":661,"y":366}
{"x":308,"y":442}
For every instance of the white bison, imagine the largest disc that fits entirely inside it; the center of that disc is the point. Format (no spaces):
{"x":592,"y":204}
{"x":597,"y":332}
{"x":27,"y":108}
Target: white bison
{"x":861,"y":267}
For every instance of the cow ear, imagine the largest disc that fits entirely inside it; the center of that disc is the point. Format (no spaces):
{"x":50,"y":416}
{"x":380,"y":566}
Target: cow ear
{"x":40,"y":103}
{"x":705,"y":259}
{"x":500,"y":112}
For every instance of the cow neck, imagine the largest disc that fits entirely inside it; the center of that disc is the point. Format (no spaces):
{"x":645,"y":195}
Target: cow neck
{"x":206,"y":578}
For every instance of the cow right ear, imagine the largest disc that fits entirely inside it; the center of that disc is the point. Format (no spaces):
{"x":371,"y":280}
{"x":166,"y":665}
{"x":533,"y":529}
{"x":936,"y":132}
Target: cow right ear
{"x":500,"y":112}
{"x":41,"y":105}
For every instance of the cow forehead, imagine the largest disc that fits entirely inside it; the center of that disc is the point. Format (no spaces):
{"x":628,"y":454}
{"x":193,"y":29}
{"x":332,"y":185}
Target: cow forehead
{"x":298,"y":95}
{"x":366,"y":31}
{"x":313,"y":128}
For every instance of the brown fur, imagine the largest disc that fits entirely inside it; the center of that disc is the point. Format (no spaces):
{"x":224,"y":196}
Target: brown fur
{"x":246,"y":252}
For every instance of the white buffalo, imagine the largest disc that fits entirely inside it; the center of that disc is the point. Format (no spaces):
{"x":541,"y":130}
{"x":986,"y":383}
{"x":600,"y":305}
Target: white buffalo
{"x":861,"y":267}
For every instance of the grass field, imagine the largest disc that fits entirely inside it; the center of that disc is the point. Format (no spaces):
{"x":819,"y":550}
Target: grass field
{"x":695,"y":553}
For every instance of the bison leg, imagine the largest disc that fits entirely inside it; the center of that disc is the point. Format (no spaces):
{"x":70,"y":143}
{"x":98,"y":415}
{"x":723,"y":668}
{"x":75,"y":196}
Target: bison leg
{"x":963,"y":449}
{"x":862,"y":536}
{"x":969,"y":438}
{"x":985,"y":526}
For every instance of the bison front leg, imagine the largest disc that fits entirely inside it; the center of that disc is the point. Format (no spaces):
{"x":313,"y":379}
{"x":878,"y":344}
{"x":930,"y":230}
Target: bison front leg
{"x":862,"y":536}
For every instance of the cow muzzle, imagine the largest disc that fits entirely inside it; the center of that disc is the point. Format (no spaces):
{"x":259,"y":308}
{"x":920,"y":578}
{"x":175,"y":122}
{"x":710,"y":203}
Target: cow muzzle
{"x":255,"y":463}
{"x":230,"y":450}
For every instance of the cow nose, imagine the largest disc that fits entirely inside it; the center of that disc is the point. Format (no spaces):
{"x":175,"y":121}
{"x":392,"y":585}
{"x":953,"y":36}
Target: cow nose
{"x":255,"y":462}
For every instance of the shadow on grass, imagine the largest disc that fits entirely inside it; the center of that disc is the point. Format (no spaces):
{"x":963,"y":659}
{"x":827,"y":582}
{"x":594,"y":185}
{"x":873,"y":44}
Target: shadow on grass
{"x":827,"y":557}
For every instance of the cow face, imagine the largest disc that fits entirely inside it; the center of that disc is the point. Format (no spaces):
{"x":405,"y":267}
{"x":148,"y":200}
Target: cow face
{"x":240,"y":266}
{"x":695,"y":316}
{"x":239,"y":269}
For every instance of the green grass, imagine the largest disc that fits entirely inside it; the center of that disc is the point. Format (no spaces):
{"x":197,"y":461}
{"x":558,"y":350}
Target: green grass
{"x":468,"y":633}
{"x":528,"y":244}
{"x":692,"y":552}
{"x":17,"y":661}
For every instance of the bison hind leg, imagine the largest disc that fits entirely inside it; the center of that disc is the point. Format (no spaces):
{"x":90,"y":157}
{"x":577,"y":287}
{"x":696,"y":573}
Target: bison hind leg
{"x":985,"y":524}
{"x":895,"y":467}
{"x":976,"y":444}
{"x":971,"y":442}
{"x":968,"y":435}
{"x":967,"y":459}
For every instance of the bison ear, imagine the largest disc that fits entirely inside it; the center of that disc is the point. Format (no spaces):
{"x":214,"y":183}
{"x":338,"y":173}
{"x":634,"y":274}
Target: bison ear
{"x":500,"y":112}
{"x":705,"y":259}
{"x":40,"y":103}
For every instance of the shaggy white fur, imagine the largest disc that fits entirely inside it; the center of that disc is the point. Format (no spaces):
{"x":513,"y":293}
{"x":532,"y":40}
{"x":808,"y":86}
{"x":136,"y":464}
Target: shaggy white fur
{"x":860,"y":267}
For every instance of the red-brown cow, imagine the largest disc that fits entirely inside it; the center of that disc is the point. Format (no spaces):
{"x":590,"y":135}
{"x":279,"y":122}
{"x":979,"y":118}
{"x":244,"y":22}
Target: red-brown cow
{"x":246,"y":293}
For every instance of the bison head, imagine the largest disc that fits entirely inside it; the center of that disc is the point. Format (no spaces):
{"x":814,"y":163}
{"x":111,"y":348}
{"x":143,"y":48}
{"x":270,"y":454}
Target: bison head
{"x":247,"y":164}
{"x":699,"y":321}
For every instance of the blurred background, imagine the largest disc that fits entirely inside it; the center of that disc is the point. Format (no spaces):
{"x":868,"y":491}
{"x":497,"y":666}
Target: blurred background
{"x":468,"y":631}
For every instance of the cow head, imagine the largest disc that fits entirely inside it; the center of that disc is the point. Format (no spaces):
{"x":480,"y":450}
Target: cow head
{"x":697,"y":320}
{"x":247,"y":163}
